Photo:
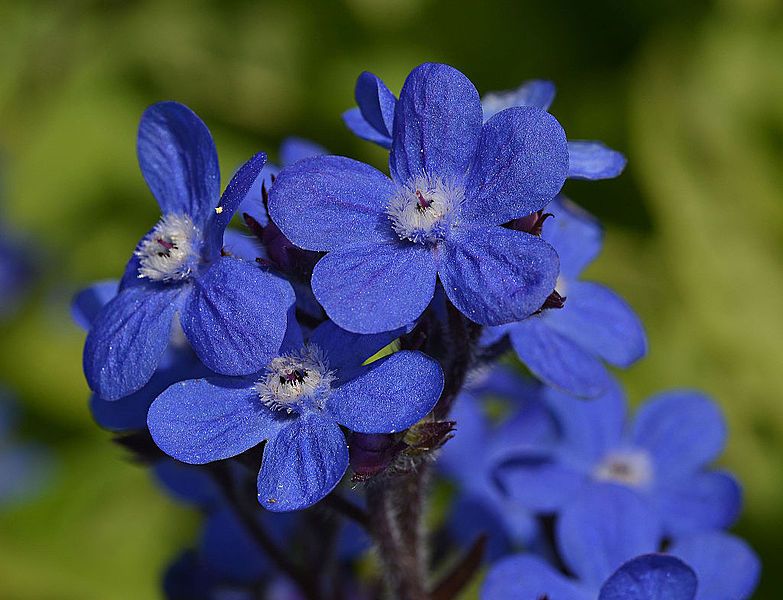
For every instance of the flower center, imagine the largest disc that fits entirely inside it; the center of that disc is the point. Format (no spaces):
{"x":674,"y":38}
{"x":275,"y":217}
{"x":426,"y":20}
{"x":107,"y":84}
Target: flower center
{"x":297,"y":379}
{"x":169,"y":252}
{"x":424,"y":209}
{"x":633,"y":468}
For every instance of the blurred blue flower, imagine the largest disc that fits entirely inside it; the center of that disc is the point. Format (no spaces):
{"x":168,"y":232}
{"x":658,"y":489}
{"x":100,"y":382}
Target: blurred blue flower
{"x":454,"y":183}
{"x":607,"y":539}
{"x":16,"y":273}
{"x":232,"y":312}
{"x":373,"y":120}
{"x":470,"y":457}
{"x":663,"y":455}
{"x":565,"y":347}
{"x":296,"y":404}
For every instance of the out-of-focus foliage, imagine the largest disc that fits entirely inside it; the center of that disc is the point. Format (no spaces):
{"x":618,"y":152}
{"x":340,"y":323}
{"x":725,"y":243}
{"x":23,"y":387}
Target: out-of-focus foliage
{"x":692,"y":92}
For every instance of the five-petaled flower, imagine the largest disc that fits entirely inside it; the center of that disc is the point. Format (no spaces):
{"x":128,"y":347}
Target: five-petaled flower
{"x":454,"y":182}
{"x":233,"y":313}
{"x":296,"y":404}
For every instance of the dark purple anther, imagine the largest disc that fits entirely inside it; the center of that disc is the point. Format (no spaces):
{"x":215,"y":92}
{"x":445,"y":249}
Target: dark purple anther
{"x":532,"y":224}
{"x":167,"y":245}
{"x":423,"y":202}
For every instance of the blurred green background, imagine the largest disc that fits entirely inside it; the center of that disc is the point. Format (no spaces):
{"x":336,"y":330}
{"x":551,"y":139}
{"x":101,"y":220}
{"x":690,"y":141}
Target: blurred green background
{"x":691,"y":91}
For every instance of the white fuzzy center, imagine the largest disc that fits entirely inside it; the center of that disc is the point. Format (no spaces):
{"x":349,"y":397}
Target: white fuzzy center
{"x":169,"y":252}
{"x":297,"y":378}
{"x":632,"y":467}
{"x":424,"y":209}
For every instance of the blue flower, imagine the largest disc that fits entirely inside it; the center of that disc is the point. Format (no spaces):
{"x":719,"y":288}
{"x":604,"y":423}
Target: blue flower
{"x":454,"y":183}
{"x":232,"y":313}
{"x":663,"y":456}
{"x":177,"y":364}
{"x":16,"y":273}
{"x":610,"y":541}
{"x":373,"y":120}
{"x":296,"y":404}
{"x":565,"y":347}
{"x":470,"y":457}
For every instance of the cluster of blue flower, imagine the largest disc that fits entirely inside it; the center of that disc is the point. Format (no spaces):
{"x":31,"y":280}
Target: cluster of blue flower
{"x":358,"y":327}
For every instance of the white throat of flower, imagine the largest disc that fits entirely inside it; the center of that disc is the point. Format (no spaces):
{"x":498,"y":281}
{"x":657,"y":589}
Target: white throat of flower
{"x":633,"y":468}
{"x":425,"y":208}
{"x":169,"y":252}
{"x":296,"y":379}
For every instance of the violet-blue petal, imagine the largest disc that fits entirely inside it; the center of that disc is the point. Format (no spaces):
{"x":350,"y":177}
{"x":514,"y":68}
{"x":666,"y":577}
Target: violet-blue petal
{"x":603,"y":527}
{"x":345,"y":350}
{"x":293,"y":149}
{"x":204,"y":420}
{"x":376,"y":102}
{"x":536,"y":92}
{"x":437,"y":123}
{"x":242,"y":245}
{"x":593,"y":160}
{"x":683,"y":430}
{"x":470,"y":435}
{"x":530,"y":427}
{"x":557,"y":360}
{"x":232,"y":197}
{"x":355,"y":121}
{"x":377,"y":287}
{"x":253,"y":203}
{"x":495,"y":275}
{"x":702,"y":501}
{"x":520,"y":165}
{"x":727,"y":568}
{"x":331,"y":202}
{"x":539,"y":482}
{"x":302,"y":463}
{"x":528,"y":577}
{"x":230,"y":551}
{"x":236,"y":316}
{"x":388,"y":395}
{"x":128,"y":338}
{"x":178,"y":160}
{"x":575,"y":234}
{"x":652,"y":577}
{"x":87,"y":303}
{"x":589,"y":428}
{"x":601,"y":322}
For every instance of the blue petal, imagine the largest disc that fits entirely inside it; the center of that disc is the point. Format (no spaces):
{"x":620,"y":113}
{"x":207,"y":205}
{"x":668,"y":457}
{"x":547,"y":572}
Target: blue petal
{"x":236,"y":316}
{"x":520,"y":165}
{"x":293,"y":149}
{"x":593,"y":160}
{"x":331,"y":202}
{"x":539,"y":483}
{"x":302,"y":463}
{"x":389,"y":395}
{"x":470,"y":517}
{"x":527,"y":577}
{"x":651,"y":577}
{"x":589,"y":428}
{"x":345,"y":350}
{"x":188,"y":483}
{"x":530,"y":427}
{"x":601,"y":322}
{"x":575,"y":234}
{"x":128,"y":338}
{"x":375,"y":102}
{"x":604,"y":526}
{"x":25,"y":469}
{"x":242,"y":245}
{"x":232,"y":197}
{"x":461,"y":453}
{"x":375,"y":288}
{"x":437,"y":123}
{"x":253,"y":202}
{"x":683,"y":430}
{"x":702,"y":501}
{"x":495,"y":275}
{"x":230,"y":551}
{"x":556,"y":360}
{"x":727,"y":568}
{"x":178,"y":160}
{"x":88,"y":302}
{"x":354,"y":120}
{"x":536,"y":92}
{"x":204,"y":420}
